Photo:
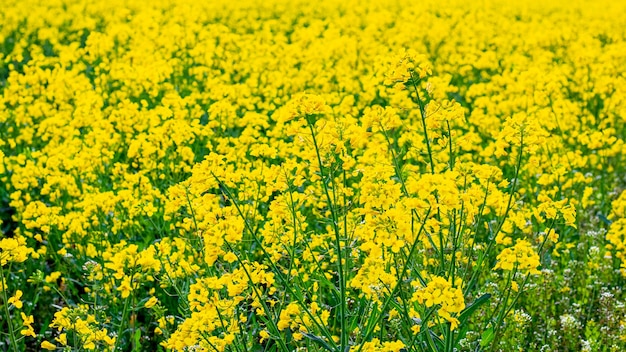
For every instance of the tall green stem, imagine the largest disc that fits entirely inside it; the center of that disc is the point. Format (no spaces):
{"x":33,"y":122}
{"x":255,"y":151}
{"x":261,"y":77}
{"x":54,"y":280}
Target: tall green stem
{"x":342,"y":281}
{"x":6,"y":310}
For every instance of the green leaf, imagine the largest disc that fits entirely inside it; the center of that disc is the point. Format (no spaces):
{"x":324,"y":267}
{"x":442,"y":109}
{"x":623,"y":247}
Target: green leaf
{"x":469,"y":310}
{"x":605,"y":220}
{"x":434,"y":342}
{"x":137,"y":339}
{"x":487,"y":337}
{"x":318,"y":340}
{"x":467,"y":313}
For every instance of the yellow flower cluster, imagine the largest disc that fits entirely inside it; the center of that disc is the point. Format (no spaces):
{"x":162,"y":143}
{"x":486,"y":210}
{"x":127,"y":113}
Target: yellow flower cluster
{"x":13,"y":250}
{"x":377,"y":346}
{"x":269,"y":174}
{"x":79,"y":321}
{"x":521,"y":256}
{"x":448,"y":298}
{"x":616,"y":235}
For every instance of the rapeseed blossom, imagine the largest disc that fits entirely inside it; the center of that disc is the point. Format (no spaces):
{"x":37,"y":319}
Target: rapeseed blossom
{"x":343,"y":176}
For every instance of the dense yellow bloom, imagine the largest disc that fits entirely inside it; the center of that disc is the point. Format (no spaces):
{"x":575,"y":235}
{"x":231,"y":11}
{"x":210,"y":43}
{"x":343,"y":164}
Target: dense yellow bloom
{"x":13,"y":250}
{"x":85,"y":325}
{"x":521,"y":257}
{"x":377,"y":346}
{"x":616,"y":235}
{"x":287,"y":317}
{"x":241,"y":166}
{"x":441,"y":293}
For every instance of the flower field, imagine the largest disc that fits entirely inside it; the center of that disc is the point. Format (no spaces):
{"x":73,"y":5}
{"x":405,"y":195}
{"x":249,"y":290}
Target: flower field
{"x":344,"y":176}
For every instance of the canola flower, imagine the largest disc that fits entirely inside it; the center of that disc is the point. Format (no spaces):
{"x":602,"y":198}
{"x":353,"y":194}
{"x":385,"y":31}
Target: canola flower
{"x":329,"y":176}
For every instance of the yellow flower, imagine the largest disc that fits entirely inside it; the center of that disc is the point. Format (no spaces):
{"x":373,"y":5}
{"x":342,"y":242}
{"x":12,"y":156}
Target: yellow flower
{"x":13,"y":250}
{"x":125,"y":287}
{"x":48,"y":346}
{"x":440,"y":292}
{"x":230,"y":257}
{"x":27,"y":322}
{"x":62,"y":339}
{"x":264,"y":336}
{"x":521,"y":255}
{"x":151,"y":302}
{"x":553,"y":236}
{"x":287,"y":316}
{"x":15,"y":300}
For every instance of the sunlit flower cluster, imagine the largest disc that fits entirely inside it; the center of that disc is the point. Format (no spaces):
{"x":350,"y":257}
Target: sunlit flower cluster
{"x":291,"y":175}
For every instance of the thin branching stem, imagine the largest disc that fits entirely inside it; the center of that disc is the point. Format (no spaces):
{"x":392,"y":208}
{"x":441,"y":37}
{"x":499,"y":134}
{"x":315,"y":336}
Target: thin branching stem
{"x":340,"y":269}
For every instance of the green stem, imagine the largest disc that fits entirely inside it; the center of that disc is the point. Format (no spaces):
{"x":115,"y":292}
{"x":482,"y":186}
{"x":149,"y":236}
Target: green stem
{"x":405,"y":267}
{"x":342,"y":282}
{"x":450,"y":145}
{"x":470,"y":250}
{"x":6,"y":310}
{"x":120,"y":330}
{"x":266,"y":309}
{"x":226,"y":191}
{"x":423,"y":115}
{"x":403,"y":186}
{"x":501,"y":223}
{"x":506,"y":309}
